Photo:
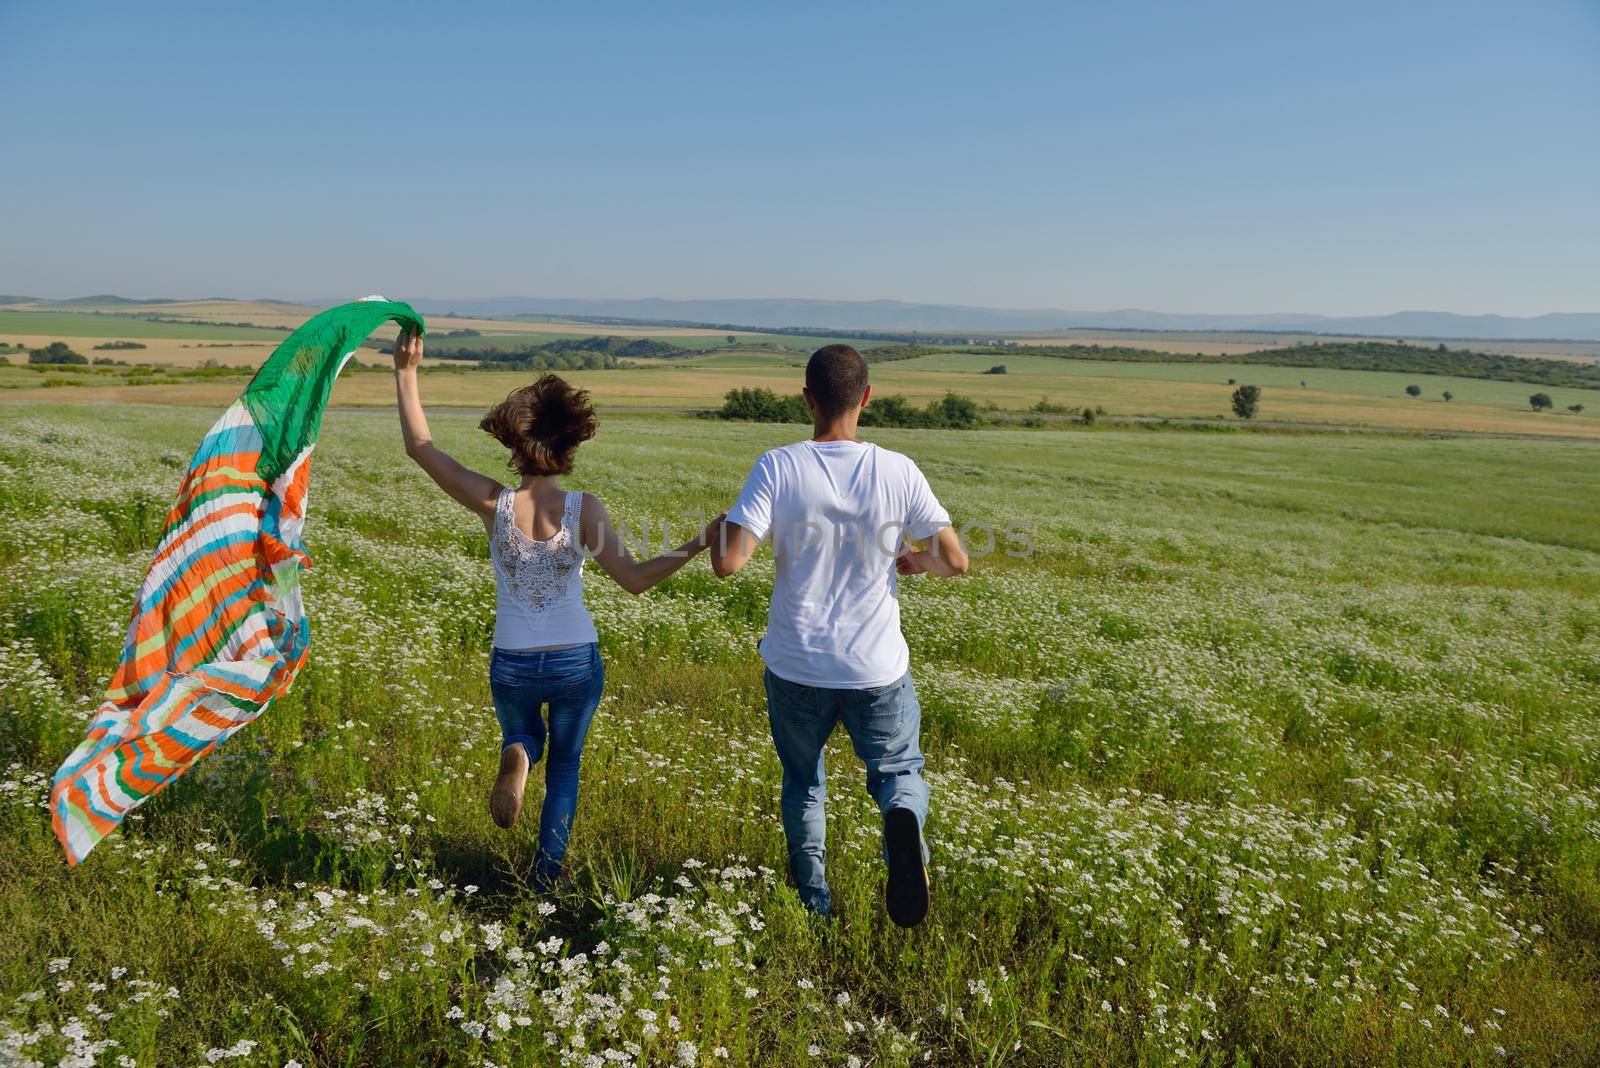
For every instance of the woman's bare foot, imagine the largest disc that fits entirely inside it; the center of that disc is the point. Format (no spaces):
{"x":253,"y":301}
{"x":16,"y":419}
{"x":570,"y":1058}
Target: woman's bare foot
{"x":505,"y":800}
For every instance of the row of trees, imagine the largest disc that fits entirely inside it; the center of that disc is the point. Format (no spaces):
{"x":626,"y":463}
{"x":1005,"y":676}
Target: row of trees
{"x":1538,"y":401}
{"x":761,"y":405}
{"x":541,"y":360}
{"x":561,"y":354}
{"x":583,"y":352}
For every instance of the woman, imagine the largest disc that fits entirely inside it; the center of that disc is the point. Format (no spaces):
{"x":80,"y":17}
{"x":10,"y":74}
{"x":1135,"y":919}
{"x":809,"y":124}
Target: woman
{"x":545,"y":649}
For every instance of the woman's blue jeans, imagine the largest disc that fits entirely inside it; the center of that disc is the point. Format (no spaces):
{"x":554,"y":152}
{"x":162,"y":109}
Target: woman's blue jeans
{"x":569,"y":681}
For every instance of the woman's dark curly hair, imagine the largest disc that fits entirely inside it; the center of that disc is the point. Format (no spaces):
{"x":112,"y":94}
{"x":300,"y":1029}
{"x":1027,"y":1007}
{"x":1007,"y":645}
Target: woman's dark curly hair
{"x":543,"y":425}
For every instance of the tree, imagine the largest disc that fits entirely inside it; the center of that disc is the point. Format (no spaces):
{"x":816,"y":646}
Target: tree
{"x":997,"y":369}
{"x":1448,"y":395}
{"x":732,"y":339}
{"x":1088,"y":417}
{"x":954,"y":411}
{"x":1574,"y":408}
{"x":1414,"y":391}
{"x":1246,"y":400}
{"x":1540,"y":401}
{"x":55,"y":352}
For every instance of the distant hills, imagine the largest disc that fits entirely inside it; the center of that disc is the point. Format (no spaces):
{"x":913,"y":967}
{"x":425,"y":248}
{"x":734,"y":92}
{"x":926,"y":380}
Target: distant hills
{"x":903,"y":316}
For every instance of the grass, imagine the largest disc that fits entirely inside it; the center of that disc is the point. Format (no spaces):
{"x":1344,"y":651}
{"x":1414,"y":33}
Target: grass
{"x":1176,"y":390}
{"x":1273,"y":750}
{"x":1354,"y":398}
{"x":124,"y":325}
{"x":1388,"y":385}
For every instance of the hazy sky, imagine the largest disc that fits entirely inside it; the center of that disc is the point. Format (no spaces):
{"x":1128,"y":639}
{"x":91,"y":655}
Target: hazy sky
{"x":1229,"y":157}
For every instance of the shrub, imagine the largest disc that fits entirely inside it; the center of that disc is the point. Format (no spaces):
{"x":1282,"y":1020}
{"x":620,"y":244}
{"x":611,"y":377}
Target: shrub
{"x":1574,"y":408}
{"x":56,"y":352}
{"x":1540,"y":401}
{"x":952,"y":412}
{"x":1413,"y":391}
{"x":997,"y":369}
{"x":1448,"y":395}
{"x":761,"y":405}
{"x":1246,"y":401}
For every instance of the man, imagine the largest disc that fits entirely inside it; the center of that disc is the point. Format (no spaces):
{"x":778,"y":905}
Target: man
{"x":845,"y":516}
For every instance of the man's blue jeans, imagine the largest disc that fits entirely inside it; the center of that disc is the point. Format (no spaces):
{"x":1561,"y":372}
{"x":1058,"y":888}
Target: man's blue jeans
{"x":569,"y":681}
{"x":884,"y":724}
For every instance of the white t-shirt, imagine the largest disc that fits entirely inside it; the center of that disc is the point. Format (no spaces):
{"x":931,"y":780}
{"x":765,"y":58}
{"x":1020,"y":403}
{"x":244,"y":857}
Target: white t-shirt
{"x":837,"y":511}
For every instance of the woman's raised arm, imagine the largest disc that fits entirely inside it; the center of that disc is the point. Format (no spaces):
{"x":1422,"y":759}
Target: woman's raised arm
{"x":475,"y":491}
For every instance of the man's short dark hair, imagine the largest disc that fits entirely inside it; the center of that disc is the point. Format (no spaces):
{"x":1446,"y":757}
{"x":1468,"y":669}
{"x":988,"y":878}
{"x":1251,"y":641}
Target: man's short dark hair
{"x":836,"y":375}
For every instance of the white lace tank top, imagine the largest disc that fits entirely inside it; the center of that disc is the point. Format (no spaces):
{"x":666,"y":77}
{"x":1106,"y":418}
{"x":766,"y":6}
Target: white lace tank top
{"x":538,"y":584}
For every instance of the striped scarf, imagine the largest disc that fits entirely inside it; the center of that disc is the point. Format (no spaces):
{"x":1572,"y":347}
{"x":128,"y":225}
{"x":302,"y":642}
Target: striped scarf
{"x":219,"y":628}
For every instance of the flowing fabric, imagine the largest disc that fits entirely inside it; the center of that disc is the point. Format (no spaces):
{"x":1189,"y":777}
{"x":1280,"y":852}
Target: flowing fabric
{"x":219,"y":628}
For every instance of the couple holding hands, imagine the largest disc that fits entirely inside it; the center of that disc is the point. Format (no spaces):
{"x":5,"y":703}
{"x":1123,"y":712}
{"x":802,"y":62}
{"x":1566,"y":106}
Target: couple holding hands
{"x":846,"y":519}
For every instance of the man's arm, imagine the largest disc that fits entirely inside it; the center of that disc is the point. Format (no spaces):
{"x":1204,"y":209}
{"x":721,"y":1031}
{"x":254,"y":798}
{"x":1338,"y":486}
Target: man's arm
{"x":746,"y":522}
{"x":732,"y":549}
{"x":944,"y":558}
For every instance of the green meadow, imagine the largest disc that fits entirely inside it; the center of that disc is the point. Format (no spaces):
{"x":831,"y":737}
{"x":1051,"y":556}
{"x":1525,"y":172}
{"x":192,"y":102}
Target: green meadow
{"x":1244,"y":750}
{"x":116,"y":325}
{"x":1054,"y":373}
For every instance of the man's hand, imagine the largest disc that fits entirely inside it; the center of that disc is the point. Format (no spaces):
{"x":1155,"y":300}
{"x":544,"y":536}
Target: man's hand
{"x":407,"y":350}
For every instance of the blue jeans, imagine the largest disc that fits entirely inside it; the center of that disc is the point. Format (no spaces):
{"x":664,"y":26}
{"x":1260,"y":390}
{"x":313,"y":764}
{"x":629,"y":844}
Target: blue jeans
{"x":884,"y":724}
{"x":569,"y":681}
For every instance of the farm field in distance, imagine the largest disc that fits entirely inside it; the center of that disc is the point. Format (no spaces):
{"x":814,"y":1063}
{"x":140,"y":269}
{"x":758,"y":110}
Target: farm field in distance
{"x":1277,"y":749}
{"x":1357,"y":398}
{"x":1175,"y":389}
{"x":173,"y":342}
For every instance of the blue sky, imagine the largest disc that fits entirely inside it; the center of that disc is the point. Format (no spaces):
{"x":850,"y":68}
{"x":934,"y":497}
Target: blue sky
{"x":1229,"y":157}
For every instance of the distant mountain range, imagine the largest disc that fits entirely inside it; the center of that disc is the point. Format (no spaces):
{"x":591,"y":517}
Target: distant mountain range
{"x":954,"y":318}
{"x":901,"y":317}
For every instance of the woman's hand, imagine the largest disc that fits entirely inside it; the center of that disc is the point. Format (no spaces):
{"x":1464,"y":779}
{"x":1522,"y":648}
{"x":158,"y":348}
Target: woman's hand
{"x":407,"y":350}
{"x":906,"y":563}
{"x":711,"y":534}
